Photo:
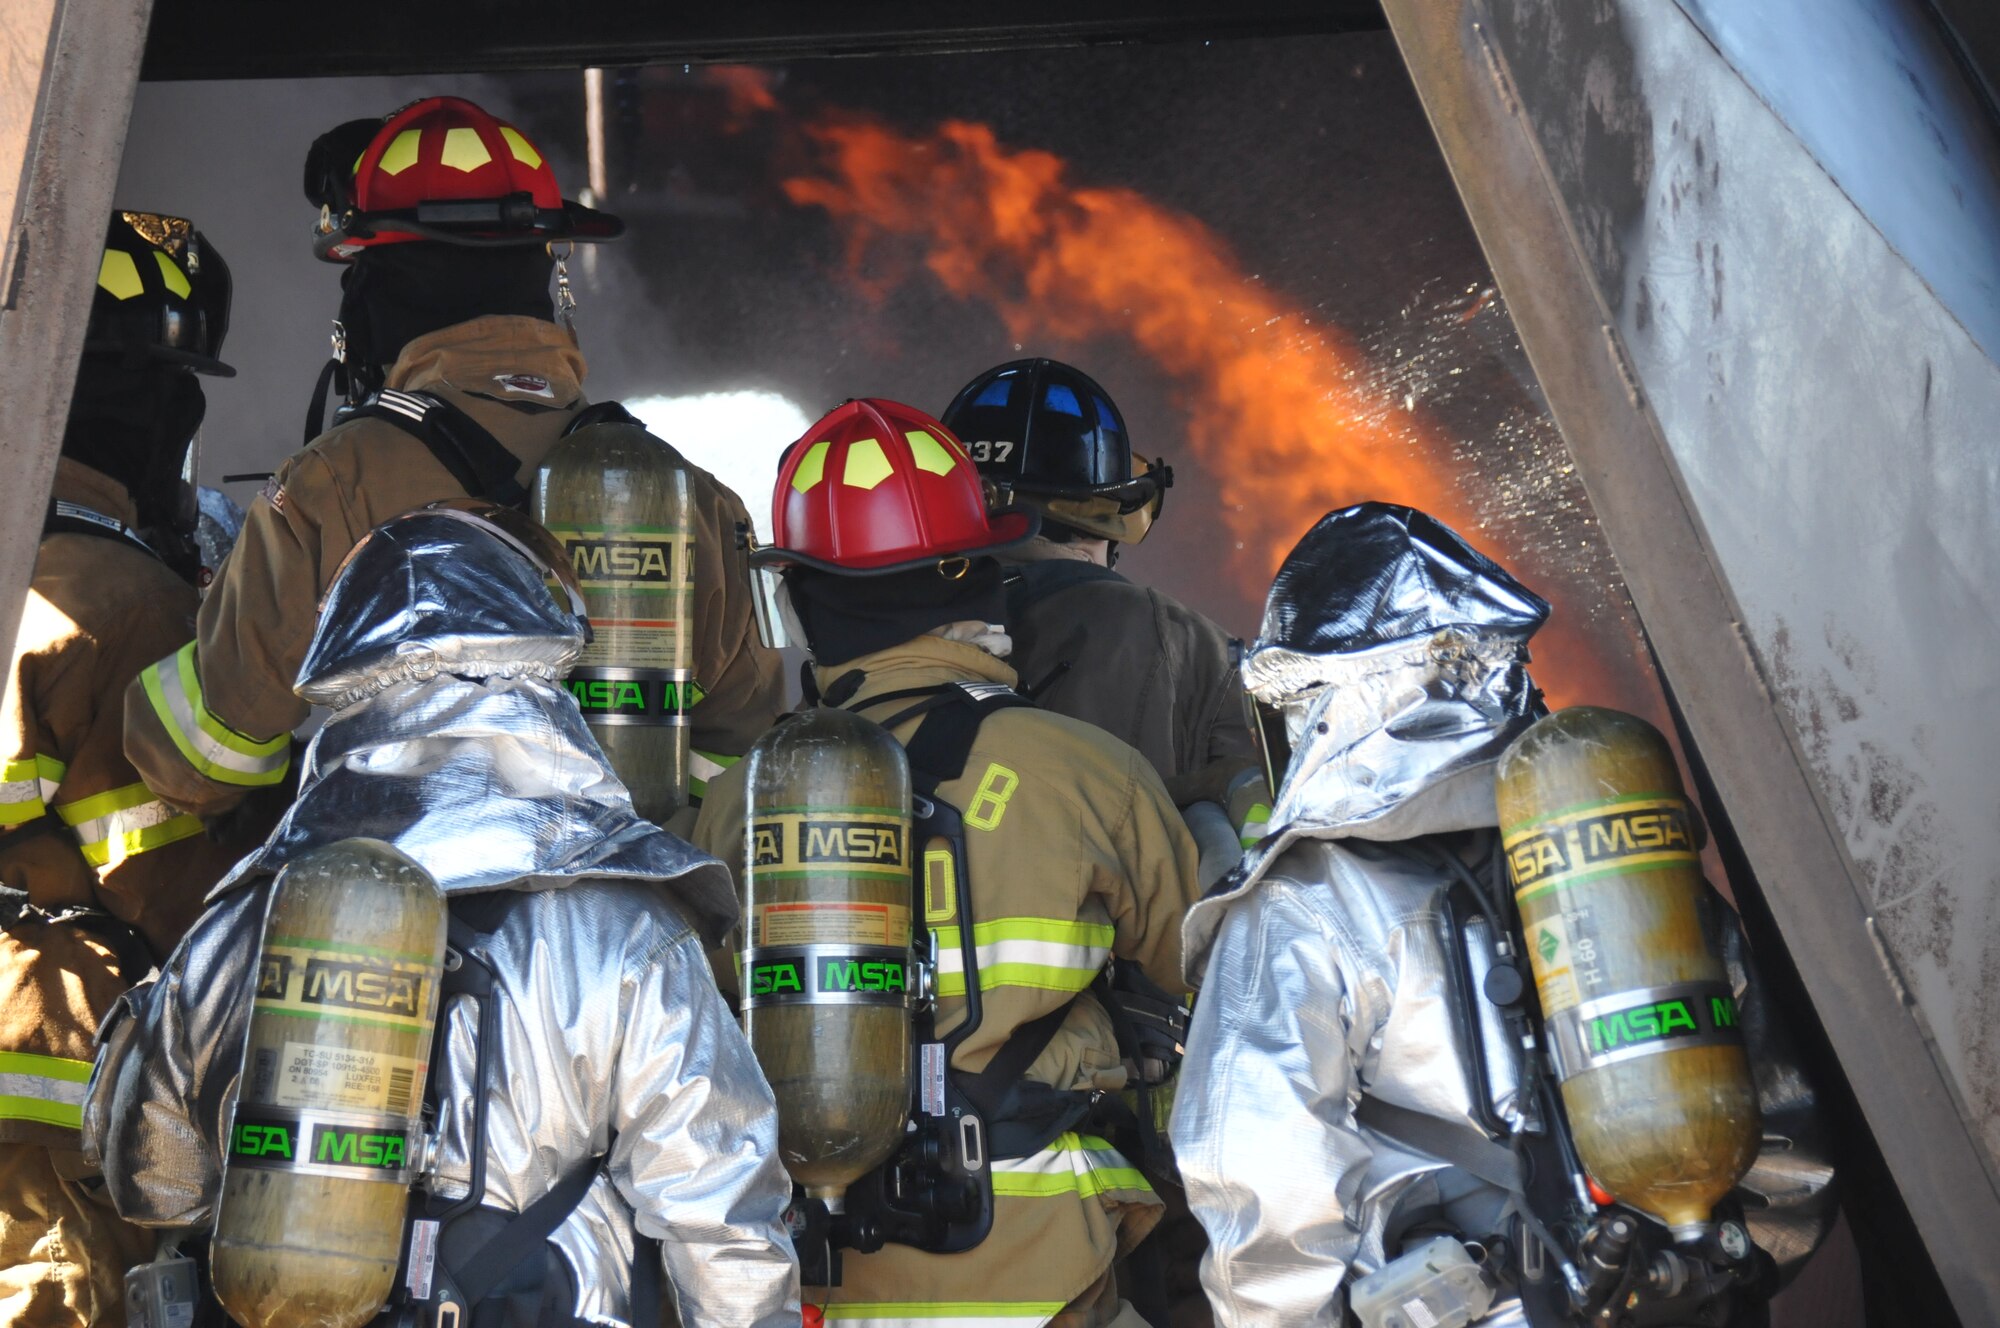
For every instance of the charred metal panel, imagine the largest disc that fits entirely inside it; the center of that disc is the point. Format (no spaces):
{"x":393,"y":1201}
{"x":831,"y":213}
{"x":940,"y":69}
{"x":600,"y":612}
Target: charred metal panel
{"x":1787,"y":430}
{"x":70,"y":69}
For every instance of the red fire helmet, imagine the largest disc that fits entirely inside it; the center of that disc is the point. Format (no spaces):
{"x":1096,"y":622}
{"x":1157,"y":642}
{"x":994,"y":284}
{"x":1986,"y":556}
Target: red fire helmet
{"x":878,"y":487}
{"x":439,"y":169}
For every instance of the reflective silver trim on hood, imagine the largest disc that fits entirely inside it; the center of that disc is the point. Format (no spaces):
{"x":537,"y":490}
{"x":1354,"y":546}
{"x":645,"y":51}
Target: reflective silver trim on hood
{"x":1398,"y":654}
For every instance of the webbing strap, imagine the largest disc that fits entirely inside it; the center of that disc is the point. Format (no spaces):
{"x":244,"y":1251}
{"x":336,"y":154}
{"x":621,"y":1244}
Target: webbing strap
{"x":480,"y":463}
{"x":521,"y":1239}
{"x":988,"y":1089}
{"x":1470,"y":1151}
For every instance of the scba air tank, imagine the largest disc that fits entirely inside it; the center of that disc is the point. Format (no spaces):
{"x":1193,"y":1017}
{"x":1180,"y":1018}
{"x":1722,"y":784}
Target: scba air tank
{"x":1639,"y":1014}
{"x":325,"y":1134}
{"x":617,"y":499}
{"x":826,"y":924}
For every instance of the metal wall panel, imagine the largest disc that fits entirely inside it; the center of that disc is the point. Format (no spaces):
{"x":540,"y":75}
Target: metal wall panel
{"x":1789,"y":439}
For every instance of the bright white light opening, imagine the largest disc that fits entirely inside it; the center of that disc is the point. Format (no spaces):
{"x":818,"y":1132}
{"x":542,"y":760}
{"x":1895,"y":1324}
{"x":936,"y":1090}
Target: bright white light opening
{"x":735,"y":436}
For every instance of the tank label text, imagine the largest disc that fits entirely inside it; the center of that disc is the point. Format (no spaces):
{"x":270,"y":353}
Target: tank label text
{"x":826,"y":975}
{"x":1647,"y":1022}
{"x":638,"y":583}
{"x":858,"y":841}
{"x":326,"y":980}
{"x":1618,"y":835}
{"x":830,"y":922}
{"x":328,"y":1078}
{"x":357,"y":1146}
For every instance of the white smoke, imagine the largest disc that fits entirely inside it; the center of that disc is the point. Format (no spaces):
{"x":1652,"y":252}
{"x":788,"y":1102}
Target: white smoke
{"x":735,"y":436}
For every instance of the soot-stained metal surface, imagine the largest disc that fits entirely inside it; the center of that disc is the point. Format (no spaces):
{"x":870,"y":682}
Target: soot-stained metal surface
{"x":1785,"y":420}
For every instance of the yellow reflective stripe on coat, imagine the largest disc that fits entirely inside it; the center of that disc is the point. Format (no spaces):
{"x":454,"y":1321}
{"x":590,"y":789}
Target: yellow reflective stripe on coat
{"x":111,"y":827}
{"x":1083,"y":1165}
{"x":45,"y":1089}
{"x":1048,"y":954}
{"x":214,"y":749}
{"x":946,"y":1314}
{"x":704,"y":766}
{"x":1256,"y":824}
{"x":26,"y":786}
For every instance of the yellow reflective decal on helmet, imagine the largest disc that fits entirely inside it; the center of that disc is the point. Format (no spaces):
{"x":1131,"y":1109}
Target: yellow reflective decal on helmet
{"x":120,"y":275}
{"x":929,"y":453}
{"x":524,"y":151}
{"x":464,"y":149}
{"x":400,"y":155}
{"x":867,"y":465}
{"x":812,"y":467}
{"x":171,"y":273}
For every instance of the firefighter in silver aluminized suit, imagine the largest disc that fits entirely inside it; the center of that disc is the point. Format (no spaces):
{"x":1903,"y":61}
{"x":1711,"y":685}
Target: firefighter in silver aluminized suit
{"x":441,"y":653}
{"x":1397,"y":654}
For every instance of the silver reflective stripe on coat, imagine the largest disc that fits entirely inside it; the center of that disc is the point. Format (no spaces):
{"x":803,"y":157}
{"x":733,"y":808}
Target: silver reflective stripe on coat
{"x":124,"y":822}
{"x":216,"y":751}
{"x":47,"y":1090}
{"x":26,"y":786}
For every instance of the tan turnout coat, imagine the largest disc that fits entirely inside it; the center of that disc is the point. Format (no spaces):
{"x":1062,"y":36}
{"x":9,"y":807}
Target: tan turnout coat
{"x":213,"y":721}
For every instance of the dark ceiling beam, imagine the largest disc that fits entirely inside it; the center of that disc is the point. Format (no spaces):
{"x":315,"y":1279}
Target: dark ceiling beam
{"x":216,"y":39}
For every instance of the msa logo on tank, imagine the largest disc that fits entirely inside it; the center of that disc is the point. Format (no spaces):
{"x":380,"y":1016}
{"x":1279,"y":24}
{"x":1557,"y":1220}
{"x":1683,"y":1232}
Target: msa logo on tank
{"x":858,"y":842}
{"x":633,"y":696}
{"x":635,"y":559}
{"x":297,"y":1141}
{"x":1643,"y":1023}
{"x":303,"y":976}
{"x":826,"y":975}
{"x":1626,"y":834}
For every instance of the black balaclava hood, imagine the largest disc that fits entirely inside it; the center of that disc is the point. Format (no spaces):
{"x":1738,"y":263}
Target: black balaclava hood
{"x":134,"y":422}
{"x":846,"y":617}
{"x":394,"y":293}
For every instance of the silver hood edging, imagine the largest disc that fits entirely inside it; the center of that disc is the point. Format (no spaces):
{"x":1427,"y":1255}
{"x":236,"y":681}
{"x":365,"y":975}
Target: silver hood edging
{"x":1398,"y":655}
{"x":440,"y":647}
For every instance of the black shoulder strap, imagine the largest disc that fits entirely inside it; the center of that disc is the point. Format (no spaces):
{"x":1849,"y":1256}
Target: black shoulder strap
{"x":473,"y":1274}
{"x":75,"y":519}
{"x":941,"y":745}
{"x":483,"y":467}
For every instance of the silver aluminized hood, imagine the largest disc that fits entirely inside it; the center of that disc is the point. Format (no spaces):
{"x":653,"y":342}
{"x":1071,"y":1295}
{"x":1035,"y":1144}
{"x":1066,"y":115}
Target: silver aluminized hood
{"x":1398,"y":654}
{"x":441,"y":648}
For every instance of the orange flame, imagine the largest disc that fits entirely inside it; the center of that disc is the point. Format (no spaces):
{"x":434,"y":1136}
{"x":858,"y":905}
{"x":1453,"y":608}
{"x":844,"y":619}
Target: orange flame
{"x":1284,"y":416}
{"x":1276,"y":409}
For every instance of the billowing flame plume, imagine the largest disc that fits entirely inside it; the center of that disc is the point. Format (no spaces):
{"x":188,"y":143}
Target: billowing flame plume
{"x":1283,"y":415}
{"x":1274,"y":408}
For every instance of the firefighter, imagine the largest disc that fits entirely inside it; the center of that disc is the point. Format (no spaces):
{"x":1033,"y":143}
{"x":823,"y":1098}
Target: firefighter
{"x":1356,"y":1104}
{"x":463,"y":372}
{"x":1073,"y":851}
{"x":1089,"y":643}
{"x":585,"y":1066}
{"x":100,"y":876}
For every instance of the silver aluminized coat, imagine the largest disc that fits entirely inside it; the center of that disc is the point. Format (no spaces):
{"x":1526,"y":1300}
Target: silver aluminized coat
{"x":454,"y":746}
{"x":1322,"y":961}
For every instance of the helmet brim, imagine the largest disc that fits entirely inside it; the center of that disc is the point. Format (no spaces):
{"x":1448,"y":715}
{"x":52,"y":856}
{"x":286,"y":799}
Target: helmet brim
{"x":185,"y":359}
{"x":1015,"y":525}
{"x":573,"y":222}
